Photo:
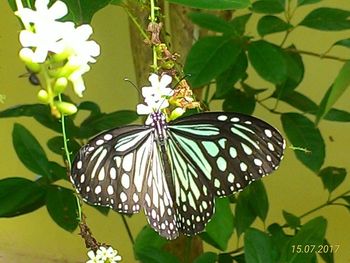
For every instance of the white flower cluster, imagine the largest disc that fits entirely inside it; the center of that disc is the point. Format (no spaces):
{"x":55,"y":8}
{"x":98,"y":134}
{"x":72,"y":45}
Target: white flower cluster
{"x":44,"y":35}
{"x":104,"y":255}
{"x":155,"y":96}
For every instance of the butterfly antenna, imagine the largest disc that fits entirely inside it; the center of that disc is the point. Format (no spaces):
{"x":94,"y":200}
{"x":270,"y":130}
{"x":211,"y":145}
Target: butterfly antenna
{"x":133,"y":84}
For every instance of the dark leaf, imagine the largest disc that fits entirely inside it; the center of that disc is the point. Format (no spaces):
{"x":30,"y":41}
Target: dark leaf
{"x":55,"y":144}
{"x":239,"y":23}
{"x":209,"y":57}
{"x":332,"y":177}
{"x":116,"y":2}
{"x":258,"y":199}
{"x":20,"y":196}
{"x":268,"y":60}
{"x":341,"y":83}
{"x":244,"y":213}
{"x":250,"y":91}
{"x":226,"y":80}
{"x":307,"y":2}
{"x":337,"y":115}
{"x":29,"y":151}
{"x":148,"y":245}
{"x":328,"y":19}
{"x":217,"y":4}
{"x":312,"y":233}
{"x":302,"y":133}
{"x":215,"y":234}
{"x":292,"y":220}
{"x":62,"y":205}
{"x":278,"y":238}
{"x":343,"y":43}
{"x":271,"y":24}
{"x":347,"y":199}
{"x":106,"y":121}
{"x":238,"y":101}
{"x":206,"y":257}
{"x":225,"y":258}
{"x":57,"y":172}
{"x":327,"y":256}
{"x":211,"y":22}
{"x":82,"y":11}
{"x":90,"y":106}
{"x":257,"y":246}
{"x":268,"y":7}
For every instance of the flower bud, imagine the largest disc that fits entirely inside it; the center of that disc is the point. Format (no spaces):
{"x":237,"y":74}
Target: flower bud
{"x":26,"y":55}
{"x":66,"y":107}
{"x":43,"y":96}
{"x":176,"y":113}
{"x":60,"y":85}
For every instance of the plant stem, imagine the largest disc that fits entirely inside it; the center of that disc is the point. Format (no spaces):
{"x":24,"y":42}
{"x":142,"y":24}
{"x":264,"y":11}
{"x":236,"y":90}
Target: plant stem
{"x":154,"y":51}
{"x":314,"y":54}
{"x":128,"y":230}
{"x":65,"y":140}
{"x":137,"y":24}
{"x":329,"y":202}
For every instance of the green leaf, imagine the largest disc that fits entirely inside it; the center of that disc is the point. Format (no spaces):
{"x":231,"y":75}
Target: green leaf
{"x":238,"y":101}
{"x":268,"y":7}
{"x":57,"y":172}
{"x":295,"y":74}
{"x":20,"y":196}
{"x":116,"y":2}
{"x":147,"y":237}
{"x":226,"y":80}
{"x":105,"y":121}
{"x":304,"y":104}
{"x":209,"y":57}
{"x":211,"y":22}
{"x":328,"y":256}
{"x":206,"y":257}
{"x":62,"y":205}
{"x":271,"y":24}
{"x":41,"y":113}
{"x":332,"y":177}
{"x":307,"y":2}
{"x":268,"y":60}
{"x":347,"y":199}
{"x":257,"y":246}
{"x":258,"y":199}
{"x":225,"y":258}
{"x":278,"y":237}
{"x":217,"y":4}
{"x":244,"y":213}
{"x":327,"y":19}
{"x":82,"y":11}
{"x":312,"y":233}
{"x":90,"y":106}
{"x":341,"y":83}
{"x":215,"y":234}
{"x":292,"y":220}
{"x":29,"y":151}
{"x":55,"y":144}
{"x":302,"y":132}
{"x":148,"y":245}
{"x":239,"y":23}
{"x":343,"y":43}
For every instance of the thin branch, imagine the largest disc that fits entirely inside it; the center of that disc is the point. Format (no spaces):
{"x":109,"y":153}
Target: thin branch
{"x":314,"y":54}
{"x":128,"y":230}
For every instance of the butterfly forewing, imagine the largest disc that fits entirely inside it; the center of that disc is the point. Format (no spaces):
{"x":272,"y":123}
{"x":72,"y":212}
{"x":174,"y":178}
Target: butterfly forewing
{"x":104,"y":171}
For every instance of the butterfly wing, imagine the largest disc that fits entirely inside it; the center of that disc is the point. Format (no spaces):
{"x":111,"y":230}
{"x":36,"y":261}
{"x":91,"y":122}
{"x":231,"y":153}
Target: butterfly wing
{"x":111,"y":170}
{"x":217,"y":154}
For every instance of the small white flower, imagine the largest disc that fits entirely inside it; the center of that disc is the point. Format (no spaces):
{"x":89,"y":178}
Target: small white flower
{"x":104,"y":255}
{"x":155,"y":96}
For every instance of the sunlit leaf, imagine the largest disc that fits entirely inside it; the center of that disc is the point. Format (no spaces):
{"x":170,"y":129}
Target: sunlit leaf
{"x":268,"y":7}
{"x":307,"y":2}
{"x":341,"y":83}
{"x":258,"y":246}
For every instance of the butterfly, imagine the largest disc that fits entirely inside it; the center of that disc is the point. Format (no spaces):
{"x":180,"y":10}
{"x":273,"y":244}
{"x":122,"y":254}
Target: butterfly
{"x":174,"y":170}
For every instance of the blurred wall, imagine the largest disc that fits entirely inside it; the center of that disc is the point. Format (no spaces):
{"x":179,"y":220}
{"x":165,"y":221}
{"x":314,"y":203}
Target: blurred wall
{"x":36,"y":238}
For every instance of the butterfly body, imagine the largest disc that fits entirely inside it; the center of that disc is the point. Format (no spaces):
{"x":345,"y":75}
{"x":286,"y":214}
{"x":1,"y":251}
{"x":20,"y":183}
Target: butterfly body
{"x":175,"y":170}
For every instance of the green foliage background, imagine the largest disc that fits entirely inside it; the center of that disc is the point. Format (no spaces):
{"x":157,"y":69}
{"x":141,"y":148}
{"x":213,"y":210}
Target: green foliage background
{"x":222,"y":64}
